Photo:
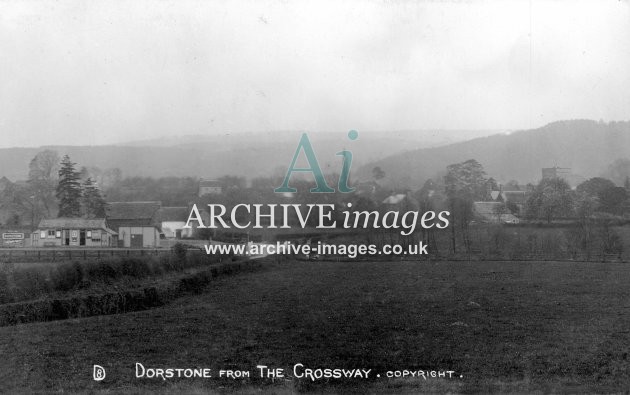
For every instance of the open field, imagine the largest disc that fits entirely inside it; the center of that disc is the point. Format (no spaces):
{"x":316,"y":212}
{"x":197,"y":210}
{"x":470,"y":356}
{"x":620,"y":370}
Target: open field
{"x":503,"y":326}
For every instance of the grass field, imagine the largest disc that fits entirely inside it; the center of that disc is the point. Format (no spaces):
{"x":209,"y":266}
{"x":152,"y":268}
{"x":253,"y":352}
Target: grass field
{"x":503,"y":326}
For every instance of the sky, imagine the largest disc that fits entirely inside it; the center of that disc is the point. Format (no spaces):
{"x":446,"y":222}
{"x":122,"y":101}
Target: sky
{"x":102,"y":72}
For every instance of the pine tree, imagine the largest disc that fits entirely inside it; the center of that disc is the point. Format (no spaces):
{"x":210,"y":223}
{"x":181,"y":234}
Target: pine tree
{"x":69,"y":189}
{"x":93,"y":202}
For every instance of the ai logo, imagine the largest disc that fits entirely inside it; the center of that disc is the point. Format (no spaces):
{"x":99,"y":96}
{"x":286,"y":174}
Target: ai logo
{"x":322,"y":186}
{"x":99,"y":373}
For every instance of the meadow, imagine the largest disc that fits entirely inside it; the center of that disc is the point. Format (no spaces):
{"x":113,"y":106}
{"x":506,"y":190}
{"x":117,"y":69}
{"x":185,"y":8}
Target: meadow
{"x":500,"y":326}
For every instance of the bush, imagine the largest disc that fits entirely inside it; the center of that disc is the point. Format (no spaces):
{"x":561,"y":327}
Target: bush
{"x":5,"y":295}
{"x":67,"y":276}
{"x":30,"y":282}
{"x":134,"y":267}
{"x":103,"y":271}
{"x":24,"y":283}
{"x":179,"y":252}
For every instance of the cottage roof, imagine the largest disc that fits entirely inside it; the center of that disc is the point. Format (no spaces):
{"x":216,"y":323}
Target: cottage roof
{"x":133,"y":213}
{"x":74,"y":223}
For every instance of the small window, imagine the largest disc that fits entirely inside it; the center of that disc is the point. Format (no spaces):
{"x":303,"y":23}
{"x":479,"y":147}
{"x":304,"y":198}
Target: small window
{"x":89,"y":234}
{"x":42,"y":234}
{"x":58,"y":234}
{"x":51,"y":233}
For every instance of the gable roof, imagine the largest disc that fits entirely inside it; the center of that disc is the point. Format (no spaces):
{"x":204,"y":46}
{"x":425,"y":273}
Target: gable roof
{"x":133,"y":214}
{"x":74,"y":223}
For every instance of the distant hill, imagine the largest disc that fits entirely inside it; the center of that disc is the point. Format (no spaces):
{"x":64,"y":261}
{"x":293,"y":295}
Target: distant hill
{"x":248,"y":155}
{"x":408,"y":158}
{"x":587,"y":147}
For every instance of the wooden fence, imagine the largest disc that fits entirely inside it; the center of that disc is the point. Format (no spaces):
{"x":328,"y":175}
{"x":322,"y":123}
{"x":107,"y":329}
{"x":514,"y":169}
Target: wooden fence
{"x":67,"y":254}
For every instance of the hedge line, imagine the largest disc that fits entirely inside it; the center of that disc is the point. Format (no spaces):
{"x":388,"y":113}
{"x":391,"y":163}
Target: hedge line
{"x":117,"y":302}
{"x":24,"y":283}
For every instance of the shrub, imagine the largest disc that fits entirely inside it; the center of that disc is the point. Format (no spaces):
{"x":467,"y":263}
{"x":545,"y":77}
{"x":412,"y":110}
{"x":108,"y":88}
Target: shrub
{"x":67,"y":276}
{"x":5,"y":295}
{"x":103,"y":271}
{"x":30,"y":282}
{"x":134,"y":267}
{"x":179,"y":252}
{"x":24,"y":283}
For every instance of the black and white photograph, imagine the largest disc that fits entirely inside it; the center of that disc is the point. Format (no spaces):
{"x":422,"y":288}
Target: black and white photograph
{"x":318,"y":197}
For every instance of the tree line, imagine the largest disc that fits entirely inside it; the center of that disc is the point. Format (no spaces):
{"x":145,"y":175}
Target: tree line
{"x":54,"y":189}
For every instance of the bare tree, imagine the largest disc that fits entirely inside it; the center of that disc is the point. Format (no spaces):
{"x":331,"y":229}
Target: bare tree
{"x":42,"y":179}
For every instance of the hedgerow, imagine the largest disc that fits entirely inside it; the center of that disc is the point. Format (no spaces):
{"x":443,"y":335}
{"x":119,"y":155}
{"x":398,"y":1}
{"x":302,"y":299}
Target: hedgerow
{"x":31,"y":282}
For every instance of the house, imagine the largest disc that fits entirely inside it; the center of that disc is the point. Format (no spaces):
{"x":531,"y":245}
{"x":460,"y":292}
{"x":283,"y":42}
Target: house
{"x":137,"y":223}
{"x":74,"y":232}
{"x":516,"y":198}
{"x":173,"y":220}
{"x":210,"y":187}
{"x":493,"y":212}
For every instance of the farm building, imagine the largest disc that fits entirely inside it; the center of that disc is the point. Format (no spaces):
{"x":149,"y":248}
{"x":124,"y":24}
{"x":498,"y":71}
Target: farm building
{"x":74,"y":232}
{"x":137,"y":223}
{"x":173,"y":220}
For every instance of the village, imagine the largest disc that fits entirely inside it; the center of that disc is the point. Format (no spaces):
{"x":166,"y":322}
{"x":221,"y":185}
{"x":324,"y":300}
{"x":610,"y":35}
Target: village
{"x":473,"y":201}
